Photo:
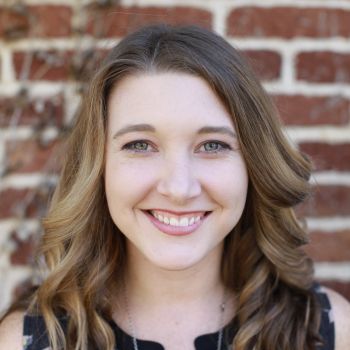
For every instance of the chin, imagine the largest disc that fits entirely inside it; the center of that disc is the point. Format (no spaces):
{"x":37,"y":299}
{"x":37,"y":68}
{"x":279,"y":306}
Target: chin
{"x":177,"y":262}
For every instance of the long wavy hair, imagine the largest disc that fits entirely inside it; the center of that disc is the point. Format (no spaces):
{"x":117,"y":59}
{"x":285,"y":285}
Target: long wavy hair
{"x":263,"y":261}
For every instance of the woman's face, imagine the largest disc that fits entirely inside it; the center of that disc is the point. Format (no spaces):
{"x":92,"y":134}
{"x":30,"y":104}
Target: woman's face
{"x":175,"y":180}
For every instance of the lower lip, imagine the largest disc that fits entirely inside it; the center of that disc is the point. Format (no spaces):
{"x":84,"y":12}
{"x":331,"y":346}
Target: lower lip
{"x":174,"y":230}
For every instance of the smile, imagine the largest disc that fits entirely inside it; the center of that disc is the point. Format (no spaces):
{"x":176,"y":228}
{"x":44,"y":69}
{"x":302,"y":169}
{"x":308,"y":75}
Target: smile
{"x":176,"y":224}
{"x":177,"y":220}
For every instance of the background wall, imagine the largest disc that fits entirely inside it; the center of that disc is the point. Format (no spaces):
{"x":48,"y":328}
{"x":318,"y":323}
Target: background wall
{"x":300,"y":49}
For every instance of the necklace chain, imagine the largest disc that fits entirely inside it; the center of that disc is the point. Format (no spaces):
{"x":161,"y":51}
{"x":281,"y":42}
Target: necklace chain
{"x":133,"y":331}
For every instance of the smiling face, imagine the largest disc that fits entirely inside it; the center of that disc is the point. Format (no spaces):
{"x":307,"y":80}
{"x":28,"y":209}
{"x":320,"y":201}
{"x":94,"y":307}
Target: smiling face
{"x":175,"y":180}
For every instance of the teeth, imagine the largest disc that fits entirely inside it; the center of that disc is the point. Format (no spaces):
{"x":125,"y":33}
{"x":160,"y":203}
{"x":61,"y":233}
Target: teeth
{"x":174,"y":222}
{"x":183,"y":222}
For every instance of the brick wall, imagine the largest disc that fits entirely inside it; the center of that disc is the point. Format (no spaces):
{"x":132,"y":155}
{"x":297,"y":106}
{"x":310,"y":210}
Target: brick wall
{"x":300,"y":49}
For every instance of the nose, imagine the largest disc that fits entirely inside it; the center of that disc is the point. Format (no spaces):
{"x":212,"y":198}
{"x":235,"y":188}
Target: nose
{"x":178,"y":181}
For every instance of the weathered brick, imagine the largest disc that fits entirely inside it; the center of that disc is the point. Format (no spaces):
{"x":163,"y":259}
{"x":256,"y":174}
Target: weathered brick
{"x":57,"y":65}
{"x":45,"y":65}
{"x":267,"y":64}
{"x":117,"y":21}
{"x":39,"y":112}
{"x":323,"y":67}
{"x":327,"y":156}
{"x":27,"y":203}
{"x":341,"y":287}
{"x":329,"y":246}
{"x":288,"y":22}
{"x":327,"y":201}
{"x":24,"y":250}
{"x":46,"y":21}
{"x":315,"y":110}
{"x":32,"y":156}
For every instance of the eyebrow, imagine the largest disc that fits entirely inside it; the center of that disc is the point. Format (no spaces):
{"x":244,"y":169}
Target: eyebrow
{"x":217,"y":130}
{"x":149,"y":128}
{"x":133,"y":128}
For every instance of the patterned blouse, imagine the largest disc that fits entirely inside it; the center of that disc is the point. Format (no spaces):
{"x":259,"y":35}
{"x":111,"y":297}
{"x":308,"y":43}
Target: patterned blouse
{"x":35,"y":336}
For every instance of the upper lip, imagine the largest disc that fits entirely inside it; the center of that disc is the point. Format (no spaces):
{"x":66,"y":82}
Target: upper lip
{"x":174,"y":212}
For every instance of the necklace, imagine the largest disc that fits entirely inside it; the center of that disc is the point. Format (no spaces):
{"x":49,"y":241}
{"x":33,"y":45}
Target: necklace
{"x":132,"y":326}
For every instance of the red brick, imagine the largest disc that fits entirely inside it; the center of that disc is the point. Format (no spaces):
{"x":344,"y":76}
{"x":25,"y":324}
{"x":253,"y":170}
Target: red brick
{"x":27,"y":203}
{"x":334,"y":247}
{"x":288,"y":22}
{"x":56,"y":65}
{"x":32,"y":156}
{"x":328,"y":156}
{"x":38,"y":112}
{"x":326,"y":201}
{"x":35,"y":21}
{"x":23,"y":253}
{"x":267,"y":64}
{"x":305,"y":110}
{"x":341,"y":287}
{"x":323,"y":67}
{"x":45,"y":65}
{"x":117,"y":21}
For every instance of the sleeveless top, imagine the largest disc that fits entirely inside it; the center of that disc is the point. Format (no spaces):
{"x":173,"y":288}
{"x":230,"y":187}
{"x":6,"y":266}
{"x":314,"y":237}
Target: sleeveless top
{"x":35,"y":336}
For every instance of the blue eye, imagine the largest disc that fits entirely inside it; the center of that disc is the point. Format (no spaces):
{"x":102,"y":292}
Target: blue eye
{"x":215,"y":146}
{"x":137,"y":146}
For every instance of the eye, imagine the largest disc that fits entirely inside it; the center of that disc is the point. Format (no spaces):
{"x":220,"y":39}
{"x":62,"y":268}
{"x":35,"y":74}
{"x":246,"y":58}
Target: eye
{"x":138,"y":146}
{"x":214,"y":147}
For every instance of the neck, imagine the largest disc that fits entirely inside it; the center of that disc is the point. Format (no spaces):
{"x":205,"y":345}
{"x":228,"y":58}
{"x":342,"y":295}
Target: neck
{"x":184,"y":298}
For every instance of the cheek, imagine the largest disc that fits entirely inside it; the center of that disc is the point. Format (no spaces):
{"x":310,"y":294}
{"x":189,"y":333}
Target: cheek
{"x":228,"y":183}
{"x":127,"y":182}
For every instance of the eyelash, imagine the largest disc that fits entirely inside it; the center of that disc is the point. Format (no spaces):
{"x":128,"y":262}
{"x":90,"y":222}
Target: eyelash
{"x":131,"y":146}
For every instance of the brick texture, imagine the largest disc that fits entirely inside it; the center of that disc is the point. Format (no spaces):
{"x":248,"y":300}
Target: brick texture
{"x":48,"y":52}
{"x":55,"y":65}
{"x":27,"y":203}
{"x":288,"y":22}
{"x":329,"y":246}
{"x":32,"y":156}
{"x":25,"y":249}
{"x":327,"y":201}
{"x":323,"y":67}
{"x":316,"y":110}
{"x":328,"y":156}
{"x":267,"y":64}
{"x":118,"y":21}
{"x":38,"y":113}
{"x":35,"y":21}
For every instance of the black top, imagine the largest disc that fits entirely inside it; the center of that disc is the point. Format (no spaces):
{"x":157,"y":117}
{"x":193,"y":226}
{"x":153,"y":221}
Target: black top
{"x":35,"y":337}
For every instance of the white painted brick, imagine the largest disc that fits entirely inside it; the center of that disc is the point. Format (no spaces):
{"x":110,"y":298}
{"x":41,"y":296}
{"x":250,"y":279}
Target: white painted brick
{"x":11,"y":277}
{"x":7,"y":72}
{"x":25,"y":133}
{"x":20,"y":181}
{"x":331,"y":178}
{"x":327,"y":224}
{"x":333,"y":271}
{"x":330,"y":134}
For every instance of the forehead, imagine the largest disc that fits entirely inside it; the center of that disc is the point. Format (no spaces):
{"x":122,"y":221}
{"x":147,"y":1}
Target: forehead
{"x":166,"y":97}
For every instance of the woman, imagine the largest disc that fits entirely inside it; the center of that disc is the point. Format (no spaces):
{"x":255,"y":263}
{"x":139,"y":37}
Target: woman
{"x":172,"y":225}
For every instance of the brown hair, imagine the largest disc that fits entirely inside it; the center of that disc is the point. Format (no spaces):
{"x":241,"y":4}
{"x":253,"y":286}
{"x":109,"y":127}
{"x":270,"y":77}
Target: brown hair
{"x":262,"y":262}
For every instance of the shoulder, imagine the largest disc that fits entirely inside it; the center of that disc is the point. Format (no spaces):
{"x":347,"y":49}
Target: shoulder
{"x":11,"y":331}
{"x":341,"y":313}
